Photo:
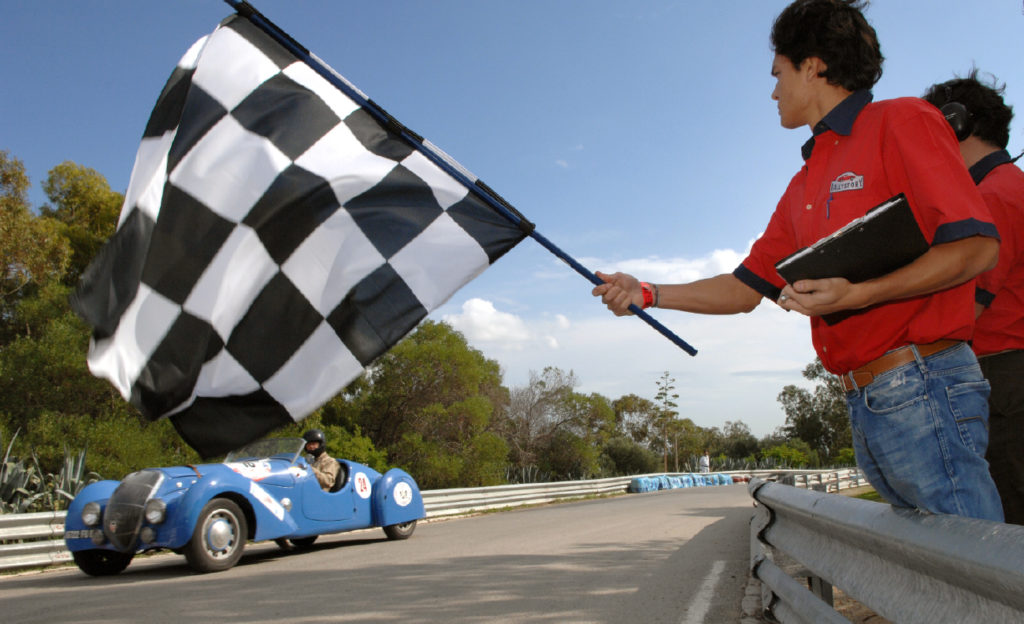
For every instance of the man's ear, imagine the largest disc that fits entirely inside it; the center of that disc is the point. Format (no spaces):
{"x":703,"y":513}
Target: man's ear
{"x":813,"y":67}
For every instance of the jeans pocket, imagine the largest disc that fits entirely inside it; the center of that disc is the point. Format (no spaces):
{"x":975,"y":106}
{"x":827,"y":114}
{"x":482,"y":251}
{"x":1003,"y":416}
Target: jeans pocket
{"x":893,"y":393}
{"x":968,"y":402}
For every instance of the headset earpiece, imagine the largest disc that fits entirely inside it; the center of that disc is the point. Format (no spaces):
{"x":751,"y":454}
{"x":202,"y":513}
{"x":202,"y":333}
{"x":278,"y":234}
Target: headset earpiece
{"x":958,"y":116}
{"x":960,"y":120}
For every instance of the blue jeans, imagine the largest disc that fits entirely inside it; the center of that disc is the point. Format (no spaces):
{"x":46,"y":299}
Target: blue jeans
{"x":920,"y":432}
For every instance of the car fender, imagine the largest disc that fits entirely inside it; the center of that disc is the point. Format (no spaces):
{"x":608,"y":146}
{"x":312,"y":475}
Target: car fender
{"x":396,"y":499}
{"x":75,"y":532}
{"x":268,"y":518}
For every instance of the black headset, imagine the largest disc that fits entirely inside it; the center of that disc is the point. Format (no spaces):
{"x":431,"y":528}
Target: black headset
{"x":958,"y":117}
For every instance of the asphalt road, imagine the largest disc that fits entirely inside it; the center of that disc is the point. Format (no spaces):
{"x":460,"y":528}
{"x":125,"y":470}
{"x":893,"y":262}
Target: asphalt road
{"x":675,"y":556}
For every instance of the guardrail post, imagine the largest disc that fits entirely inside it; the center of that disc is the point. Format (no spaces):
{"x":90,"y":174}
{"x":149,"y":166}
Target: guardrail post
{"x":821,"y":588}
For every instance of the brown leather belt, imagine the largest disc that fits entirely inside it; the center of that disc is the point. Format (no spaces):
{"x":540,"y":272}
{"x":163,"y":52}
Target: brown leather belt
{"x":897,"y":357}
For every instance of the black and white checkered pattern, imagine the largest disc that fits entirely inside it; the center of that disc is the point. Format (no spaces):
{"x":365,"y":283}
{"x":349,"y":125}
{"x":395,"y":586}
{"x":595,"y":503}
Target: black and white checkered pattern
{"x":275,"y":239}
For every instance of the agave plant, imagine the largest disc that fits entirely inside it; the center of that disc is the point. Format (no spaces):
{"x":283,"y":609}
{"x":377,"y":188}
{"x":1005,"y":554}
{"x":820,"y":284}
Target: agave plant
{"x":20,"y":484}
{"x":72,"y":477}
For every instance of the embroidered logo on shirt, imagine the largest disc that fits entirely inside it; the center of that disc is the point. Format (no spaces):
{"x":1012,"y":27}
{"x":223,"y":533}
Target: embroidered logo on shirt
{"x":848,"y":181}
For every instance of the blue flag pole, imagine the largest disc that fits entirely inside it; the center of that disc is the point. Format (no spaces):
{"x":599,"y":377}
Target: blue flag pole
{"x":437,"y":156}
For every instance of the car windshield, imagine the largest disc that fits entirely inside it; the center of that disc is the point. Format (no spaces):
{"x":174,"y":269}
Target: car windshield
{"x":281,"y":448}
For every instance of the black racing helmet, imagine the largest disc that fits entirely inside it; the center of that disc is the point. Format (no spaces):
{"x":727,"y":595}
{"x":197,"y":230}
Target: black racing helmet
{"x":315,"y":435}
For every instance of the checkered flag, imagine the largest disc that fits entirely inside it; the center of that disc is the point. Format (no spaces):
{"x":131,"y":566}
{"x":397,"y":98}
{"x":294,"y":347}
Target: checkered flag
{"x":276,"y":238}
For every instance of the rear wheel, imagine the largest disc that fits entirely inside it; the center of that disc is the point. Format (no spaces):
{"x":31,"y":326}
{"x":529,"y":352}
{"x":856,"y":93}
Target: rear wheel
{"x":400,"y":531}
{"x":99,"y":562}
{"x":219,"y":537}
{"x":304,"y":542}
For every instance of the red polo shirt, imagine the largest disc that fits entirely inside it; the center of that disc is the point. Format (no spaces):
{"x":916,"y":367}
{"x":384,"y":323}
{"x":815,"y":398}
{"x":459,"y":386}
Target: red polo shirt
{"x":1001,"y":325}
{"x":863,"y":154}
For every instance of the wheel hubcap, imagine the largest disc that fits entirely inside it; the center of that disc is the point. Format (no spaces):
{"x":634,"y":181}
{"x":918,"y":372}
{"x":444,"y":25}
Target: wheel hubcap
{"x":220,"y":534}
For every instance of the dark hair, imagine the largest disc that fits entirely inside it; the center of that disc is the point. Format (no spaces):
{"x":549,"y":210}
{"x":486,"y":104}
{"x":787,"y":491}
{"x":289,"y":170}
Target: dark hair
{"x":990,"y":116}
{"x":836,"y":32}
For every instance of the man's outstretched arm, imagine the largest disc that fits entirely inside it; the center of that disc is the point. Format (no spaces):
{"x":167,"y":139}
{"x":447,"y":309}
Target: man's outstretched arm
{"x":722,"y":294}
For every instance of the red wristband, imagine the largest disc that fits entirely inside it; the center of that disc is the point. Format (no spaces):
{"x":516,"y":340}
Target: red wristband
{"x":648,"y":293}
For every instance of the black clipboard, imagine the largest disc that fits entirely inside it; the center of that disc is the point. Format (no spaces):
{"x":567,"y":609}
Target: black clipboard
{"x":886,"y":238}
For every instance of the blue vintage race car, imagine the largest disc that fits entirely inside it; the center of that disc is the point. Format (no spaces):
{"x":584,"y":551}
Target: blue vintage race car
{"x":264,"y":491}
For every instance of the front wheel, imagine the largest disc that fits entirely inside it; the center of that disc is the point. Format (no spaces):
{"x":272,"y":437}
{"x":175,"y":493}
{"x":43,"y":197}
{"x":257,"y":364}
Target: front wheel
{"x":400,"y":531}
{"x":99,"y":562}
{"x":219,"y":537}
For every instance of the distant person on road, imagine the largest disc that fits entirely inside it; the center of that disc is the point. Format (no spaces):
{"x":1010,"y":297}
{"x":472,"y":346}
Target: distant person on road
{"x":325,"y":467}
{"x":705,"y":462}
{"x":917,"y":399}
{"x":981,"y":117}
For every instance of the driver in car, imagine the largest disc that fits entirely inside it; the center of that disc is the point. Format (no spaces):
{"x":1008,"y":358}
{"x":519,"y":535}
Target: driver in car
{"x":324,"y":466}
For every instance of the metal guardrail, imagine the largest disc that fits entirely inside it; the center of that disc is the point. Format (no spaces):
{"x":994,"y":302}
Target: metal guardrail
{"x":905,"y":565}
{"x":458,"y":501}
{"x":38,"y":540}
{"x":820,"y":481}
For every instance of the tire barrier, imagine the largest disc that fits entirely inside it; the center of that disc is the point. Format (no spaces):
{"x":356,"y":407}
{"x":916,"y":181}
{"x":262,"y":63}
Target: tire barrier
{"x":653,"y":483}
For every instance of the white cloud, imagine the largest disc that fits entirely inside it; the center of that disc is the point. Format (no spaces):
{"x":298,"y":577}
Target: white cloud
{"x":480,"y":321}
{"x":743,"y":361}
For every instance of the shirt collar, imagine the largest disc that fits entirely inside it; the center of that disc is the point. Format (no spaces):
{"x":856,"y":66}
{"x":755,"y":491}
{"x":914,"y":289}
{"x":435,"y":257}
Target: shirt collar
{"x":985,"y":166}
{"x":840,"y":119}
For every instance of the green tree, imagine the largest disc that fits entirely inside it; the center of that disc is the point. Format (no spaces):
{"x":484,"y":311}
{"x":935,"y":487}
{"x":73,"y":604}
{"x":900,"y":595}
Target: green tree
{"x":668,"y":430}
{"x":81,"y":200}
{"x":624,"y":456}
{"x":46,"y":371}
{"x":569,"y":456}
{"x":737,"y":440}
{"x":635,"y":416}
{"x":819,"y":418}
{"x":791,"y":454}
{"x":590,"y":416}
{"x":429,"y":402}
{"x":32,"y":249}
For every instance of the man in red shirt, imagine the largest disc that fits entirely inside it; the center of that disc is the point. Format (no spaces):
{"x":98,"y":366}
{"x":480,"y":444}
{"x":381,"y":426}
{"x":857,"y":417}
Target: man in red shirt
{"x":982,"y":121}
{"x":917,"y":398}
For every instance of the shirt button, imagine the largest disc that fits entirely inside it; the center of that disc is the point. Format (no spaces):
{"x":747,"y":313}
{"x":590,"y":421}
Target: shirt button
{"x":809,"y":206}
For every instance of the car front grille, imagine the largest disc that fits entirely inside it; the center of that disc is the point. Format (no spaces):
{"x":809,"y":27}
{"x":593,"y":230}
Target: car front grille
{"x":122,"y":517}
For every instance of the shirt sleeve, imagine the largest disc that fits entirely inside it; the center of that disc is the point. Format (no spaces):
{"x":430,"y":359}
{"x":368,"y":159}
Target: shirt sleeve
{"x":922,"y":156}
{"x":778,"y":241}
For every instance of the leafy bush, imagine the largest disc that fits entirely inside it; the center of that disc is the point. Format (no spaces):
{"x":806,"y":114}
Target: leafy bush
{"x":118,"y":443}
{"x":627,"y":457}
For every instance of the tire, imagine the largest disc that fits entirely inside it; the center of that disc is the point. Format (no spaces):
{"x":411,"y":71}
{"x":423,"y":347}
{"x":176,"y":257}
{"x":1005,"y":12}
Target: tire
{"x":400,"y":531}
{"x":219,"y":537}
{"x":99,"y":562}
{"x":303,"y":542}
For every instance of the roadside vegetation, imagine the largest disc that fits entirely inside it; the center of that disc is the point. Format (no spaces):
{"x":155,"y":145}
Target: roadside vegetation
{"x":433,"y":405}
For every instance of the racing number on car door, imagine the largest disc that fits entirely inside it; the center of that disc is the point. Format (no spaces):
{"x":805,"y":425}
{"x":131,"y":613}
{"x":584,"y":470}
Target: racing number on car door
{"x":362,"y":485}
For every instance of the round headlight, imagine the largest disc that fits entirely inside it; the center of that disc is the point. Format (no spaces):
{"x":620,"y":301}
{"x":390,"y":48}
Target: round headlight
{"x":156,"y":511}
{"x":91,"y":514}
{"x":147,"y":535}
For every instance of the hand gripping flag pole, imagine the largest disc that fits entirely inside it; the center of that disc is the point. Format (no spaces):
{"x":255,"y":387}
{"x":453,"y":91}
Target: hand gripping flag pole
{"x":438,"y":156}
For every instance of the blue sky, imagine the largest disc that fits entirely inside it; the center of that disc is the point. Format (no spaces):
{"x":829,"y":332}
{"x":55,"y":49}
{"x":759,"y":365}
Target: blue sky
{"x":638,"y":136}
